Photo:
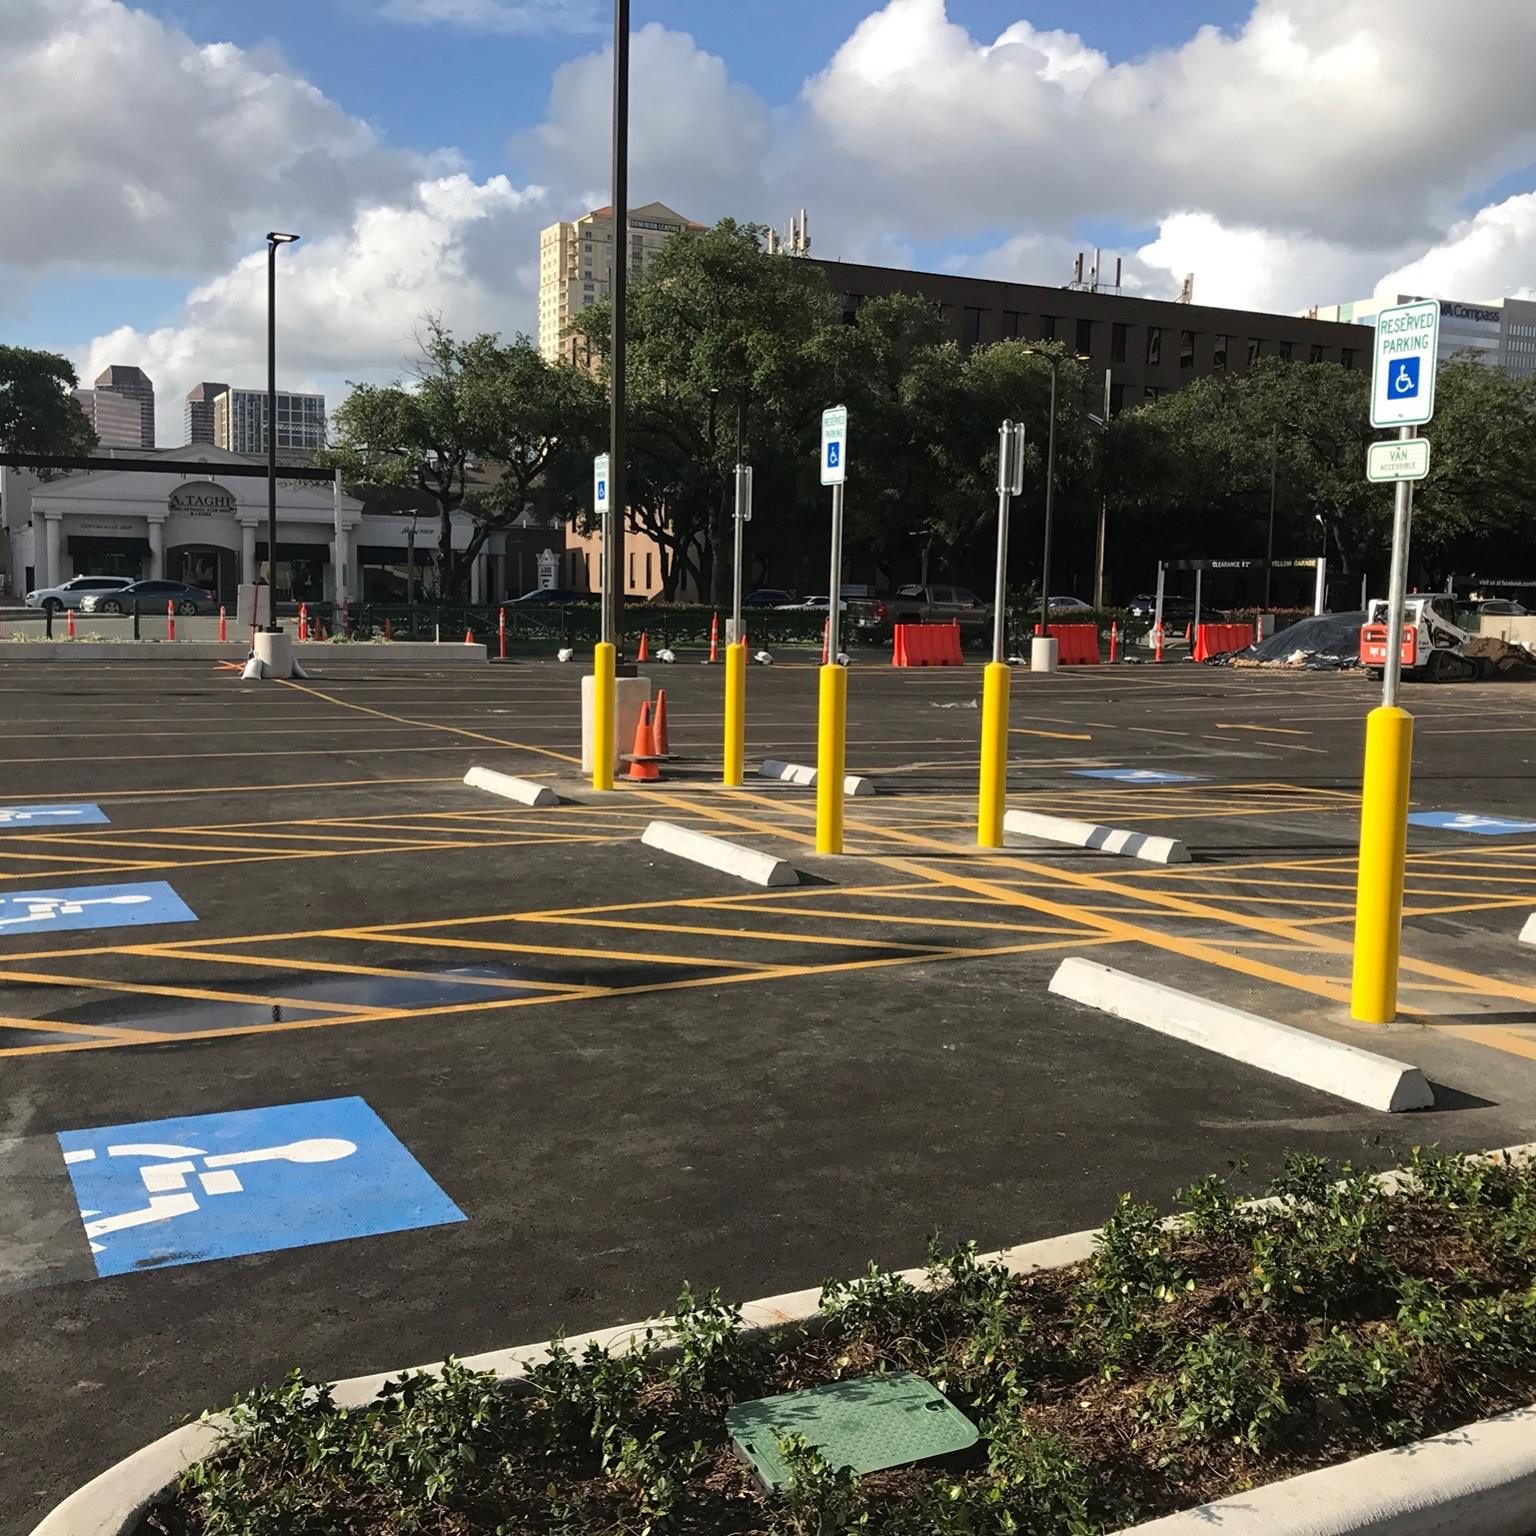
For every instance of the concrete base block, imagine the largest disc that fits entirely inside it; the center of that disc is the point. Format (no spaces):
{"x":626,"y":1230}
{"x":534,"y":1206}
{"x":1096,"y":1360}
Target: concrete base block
{"x":274,"y":650}
{"x":1330,"y":1066}
{"x":1089,"y":834}
{"x":715,"y":852}
{"x":1528,"y":933}
{"x":629,"y":694}
{"x":799,"y":773}
{"x":524,"y":791}
{"x":1042,"y":653}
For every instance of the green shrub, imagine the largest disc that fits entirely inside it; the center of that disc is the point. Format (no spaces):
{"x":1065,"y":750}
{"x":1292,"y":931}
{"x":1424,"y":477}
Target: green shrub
{"x":714,"y":1357}
{"x":1365,"y":1368}
{"x":1225,"y":1388}
{"x":1213,"y":1209}
{"x":819,"y":1499}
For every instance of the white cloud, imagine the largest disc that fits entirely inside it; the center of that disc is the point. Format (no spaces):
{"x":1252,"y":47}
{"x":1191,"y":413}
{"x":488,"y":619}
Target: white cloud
{"x":126,"y":146}
{"x":1489,"y":256}
{"x":348,"y":303}
{"x":511,"y":16}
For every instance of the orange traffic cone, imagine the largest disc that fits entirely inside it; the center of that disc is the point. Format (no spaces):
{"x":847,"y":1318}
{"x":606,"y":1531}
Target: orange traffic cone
{"x":389,"y":630}
{"x":69,"y":623}
{"x":469,"y":637}
{"x":714,"y":638}
{"x":303,"y":621}
{"x":643,"y":760}
{"x":1157,"y":653}
{"x":663,"y":746}
{"x":644,"y":653}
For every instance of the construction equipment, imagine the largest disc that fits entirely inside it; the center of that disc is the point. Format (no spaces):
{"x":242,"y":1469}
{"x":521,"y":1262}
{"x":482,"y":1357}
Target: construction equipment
{"x":1436,"y":649}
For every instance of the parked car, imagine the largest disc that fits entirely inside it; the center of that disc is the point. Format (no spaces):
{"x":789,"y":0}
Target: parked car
{"x":72,"y":593}
{"x":550,"y":597}
{"x":1176,"y":610}
{"x":151,"y":596}
{"x":769,"y":597}
{"x":874,"y":618}
{"x":1070,"y":605}
{"x":1502,"y":607}
{"x":822,"y":604}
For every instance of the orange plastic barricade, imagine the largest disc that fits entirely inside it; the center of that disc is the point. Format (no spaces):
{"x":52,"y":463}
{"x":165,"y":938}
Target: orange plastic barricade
{"x":1077,"y":645}
{"x":926,"y":645}
{"x":1373,"y":646}
{"x":1221,"y":639}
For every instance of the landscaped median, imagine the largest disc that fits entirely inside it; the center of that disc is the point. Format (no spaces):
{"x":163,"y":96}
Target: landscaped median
{"x":1157,"y":1366}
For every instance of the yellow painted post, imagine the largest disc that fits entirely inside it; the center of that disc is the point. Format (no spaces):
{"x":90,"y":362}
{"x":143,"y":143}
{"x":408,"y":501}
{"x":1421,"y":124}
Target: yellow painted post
{"x":735,"y":713}
{"x":1383,"y":850}
{"x":831,"y":756}
{"x":993,"y":797}
{"x":603,"y":661}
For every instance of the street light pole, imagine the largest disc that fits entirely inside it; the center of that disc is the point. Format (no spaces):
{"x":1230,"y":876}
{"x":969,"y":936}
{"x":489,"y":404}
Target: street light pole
{"x":1269,"y":548}
{"x":1050,"y":502}
{"x":274,"y":239}
{"x":618,"y":283}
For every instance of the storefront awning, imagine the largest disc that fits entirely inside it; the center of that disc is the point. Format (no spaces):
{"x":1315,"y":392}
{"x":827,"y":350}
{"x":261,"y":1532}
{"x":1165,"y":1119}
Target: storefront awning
{"x":83,"y":545}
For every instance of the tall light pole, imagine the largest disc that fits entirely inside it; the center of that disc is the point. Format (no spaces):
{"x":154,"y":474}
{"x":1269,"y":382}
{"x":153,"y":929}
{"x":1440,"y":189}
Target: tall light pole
{"x":1054,"y":358}
{"x":274,"y":239}
{"x":1269,"y":543}
{"x":618,"y":283}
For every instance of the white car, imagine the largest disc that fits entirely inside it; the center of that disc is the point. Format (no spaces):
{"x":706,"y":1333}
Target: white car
{"x":821,"y":604}
{"x":72,"y":592}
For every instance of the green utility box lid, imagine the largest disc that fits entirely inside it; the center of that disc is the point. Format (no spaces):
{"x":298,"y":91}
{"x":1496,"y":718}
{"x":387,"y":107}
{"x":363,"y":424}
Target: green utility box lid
{"x":866,"y":1423}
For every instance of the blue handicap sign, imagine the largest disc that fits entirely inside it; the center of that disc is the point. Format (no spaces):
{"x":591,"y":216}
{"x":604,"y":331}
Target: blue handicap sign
{"x":1136,"y":775}
{"x":91,"y":906}
{"x":1469,"y":821}
{"x":1403,"y":378}
{"x":200,"y":1187}
{"x":834,"y":453}
{"x":602,"y":490}
{"x":32,"y":818}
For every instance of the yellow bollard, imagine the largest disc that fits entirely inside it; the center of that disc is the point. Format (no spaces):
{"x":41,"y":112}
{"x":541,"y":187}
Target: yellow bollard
{"x":603,"y":660}
{"x":1383,"y":850}
{"x":735,"y":713}
{"x":992,"y":799}
{"x":831,"y":757}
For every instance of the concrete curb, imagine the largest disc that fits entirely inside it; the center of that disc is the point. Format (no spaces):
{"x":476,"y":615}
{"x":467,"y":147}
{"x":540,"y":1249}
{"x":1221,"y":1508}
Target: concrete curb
{"x":799,"y":773}
{"x":524,"y":791}
{"x":395,"y":653}
{"x":1345,"y":1071}
{"x":715,"y":852}
{"x":1491,"y":1476}
{"x":1089,"y":834}
{"x":1528,"y":933}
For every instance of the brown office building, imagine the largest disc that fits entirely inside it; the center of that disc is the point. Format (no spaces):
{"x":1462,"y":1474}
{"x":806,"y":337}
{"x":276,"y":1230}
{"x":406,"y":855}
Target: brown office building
{"x":1149,"y":346}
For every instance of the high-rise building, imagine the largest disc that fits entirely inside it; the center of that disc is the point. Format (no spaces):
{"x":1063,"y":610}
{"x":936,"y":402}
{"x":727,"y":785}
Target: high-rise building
{"x":1499,"y":332}
{"x":115,"y":419}
{"x":135,"y":385}
{"x":576,"y":261}
{"x":240,"y":421}
{"x":200,"y":400}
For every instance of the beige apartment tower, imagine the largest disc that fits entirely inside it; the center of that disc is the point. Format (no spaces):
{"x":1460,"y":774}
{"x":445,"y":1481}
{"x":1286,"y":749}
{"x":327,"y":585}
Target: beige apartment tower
{"x":575,"y":260}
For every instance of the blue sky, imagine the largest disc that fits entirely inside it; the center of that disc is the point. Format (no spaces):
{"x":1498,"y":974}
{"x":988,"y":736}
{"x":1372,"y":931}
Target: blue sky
{"x":1293,"y":152}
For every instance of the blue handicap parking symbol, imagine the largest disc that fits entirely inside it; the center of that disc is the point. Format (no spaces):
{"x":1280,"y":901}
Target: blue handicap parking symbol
{"x":1136,"y":775}
{"x":199,"y":1187}
{"x":834,"y":452}
{"x":91,"y":906}
{"x":602,"y":490}
{"x":1403,"y":378}
{"x":29,"y":818}
{"x":1467,"y":821}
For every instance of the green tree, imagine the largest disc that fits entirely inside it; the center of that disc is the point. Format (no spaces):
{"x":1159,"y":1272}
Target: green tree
{"x":37,"y":412}
{"x":535,"y":423}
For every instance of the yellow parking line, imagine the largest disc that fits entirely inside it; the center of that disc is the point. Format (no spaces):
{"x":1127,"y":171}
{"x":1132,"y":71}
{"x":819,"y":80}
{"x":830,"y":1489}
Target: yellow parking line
{"x":1268,"y":730}
{"x":502,"y":946}
{"x":150,"y":989}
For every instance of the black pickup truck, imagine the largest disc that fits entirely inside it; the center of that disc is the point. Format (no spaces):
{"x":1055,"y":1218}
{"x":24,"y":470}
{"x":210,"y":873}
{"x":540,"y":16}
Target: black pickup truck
{"x":873,"y":618}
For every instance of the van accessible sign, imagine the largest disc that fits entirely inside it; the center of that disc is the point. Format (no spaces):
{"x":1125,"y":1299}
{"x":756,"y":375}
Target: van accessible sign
{"x":202,"y":498}
{"x":1398,"y":460}
{"x":1403,"y":371}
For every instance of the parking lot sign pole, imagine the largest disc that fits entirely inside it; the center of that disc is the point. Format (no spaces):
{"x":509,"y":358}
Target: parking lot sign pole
{"x":604,"y":655}
{"x":832,"y":723}
{"x":736,"y":651}
{"x":992,"y":791}
{"x":1402,"y":396}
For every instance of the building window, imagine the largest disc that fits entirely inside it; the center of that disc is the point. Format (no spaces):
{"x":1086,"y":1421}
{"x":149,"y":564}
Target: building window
{"x":1116,"y":399}
{"x":631,"y":570}
{"x":1315,"y":354}
{"x":1150,"y":393}
{"x":1255,"y":350}
{"x":1047,"y":327}
{"x":648,"y":570}
{"x":1219,"y":352}
{"x":1285,"y":350}
{"x":1117,"y":340}
{"x":1084,"y":337}
{"x":971,"y":334}
{"x":1186,"y":349}
{"x":1347,"y":357}
{"x":851,"y":303}
{"x":1011,"y":318}
{"x":1154,"y":347}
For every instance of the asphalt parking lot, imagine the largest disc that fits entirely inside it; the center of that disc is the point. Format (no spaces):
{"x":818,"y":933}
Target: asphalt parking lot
{"x":572,"y":1073}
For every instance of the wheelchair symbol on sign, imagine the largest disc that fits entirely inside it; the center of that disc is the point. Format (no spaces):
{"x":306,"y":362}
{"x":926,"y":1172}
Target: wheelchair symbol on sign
{"x":45,"y":909}
{"x":166,"y":1181}
{"x":1405,"y":377}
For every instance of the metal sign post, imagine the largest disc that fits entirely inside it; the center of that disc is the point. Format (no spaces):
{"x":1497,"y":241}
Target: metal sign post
{"x":604,"y":654}
{"x":736,"y":648}
{"x":992,"y":790}
{"x":1402,"y":396}
{"x":831,"y":740}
